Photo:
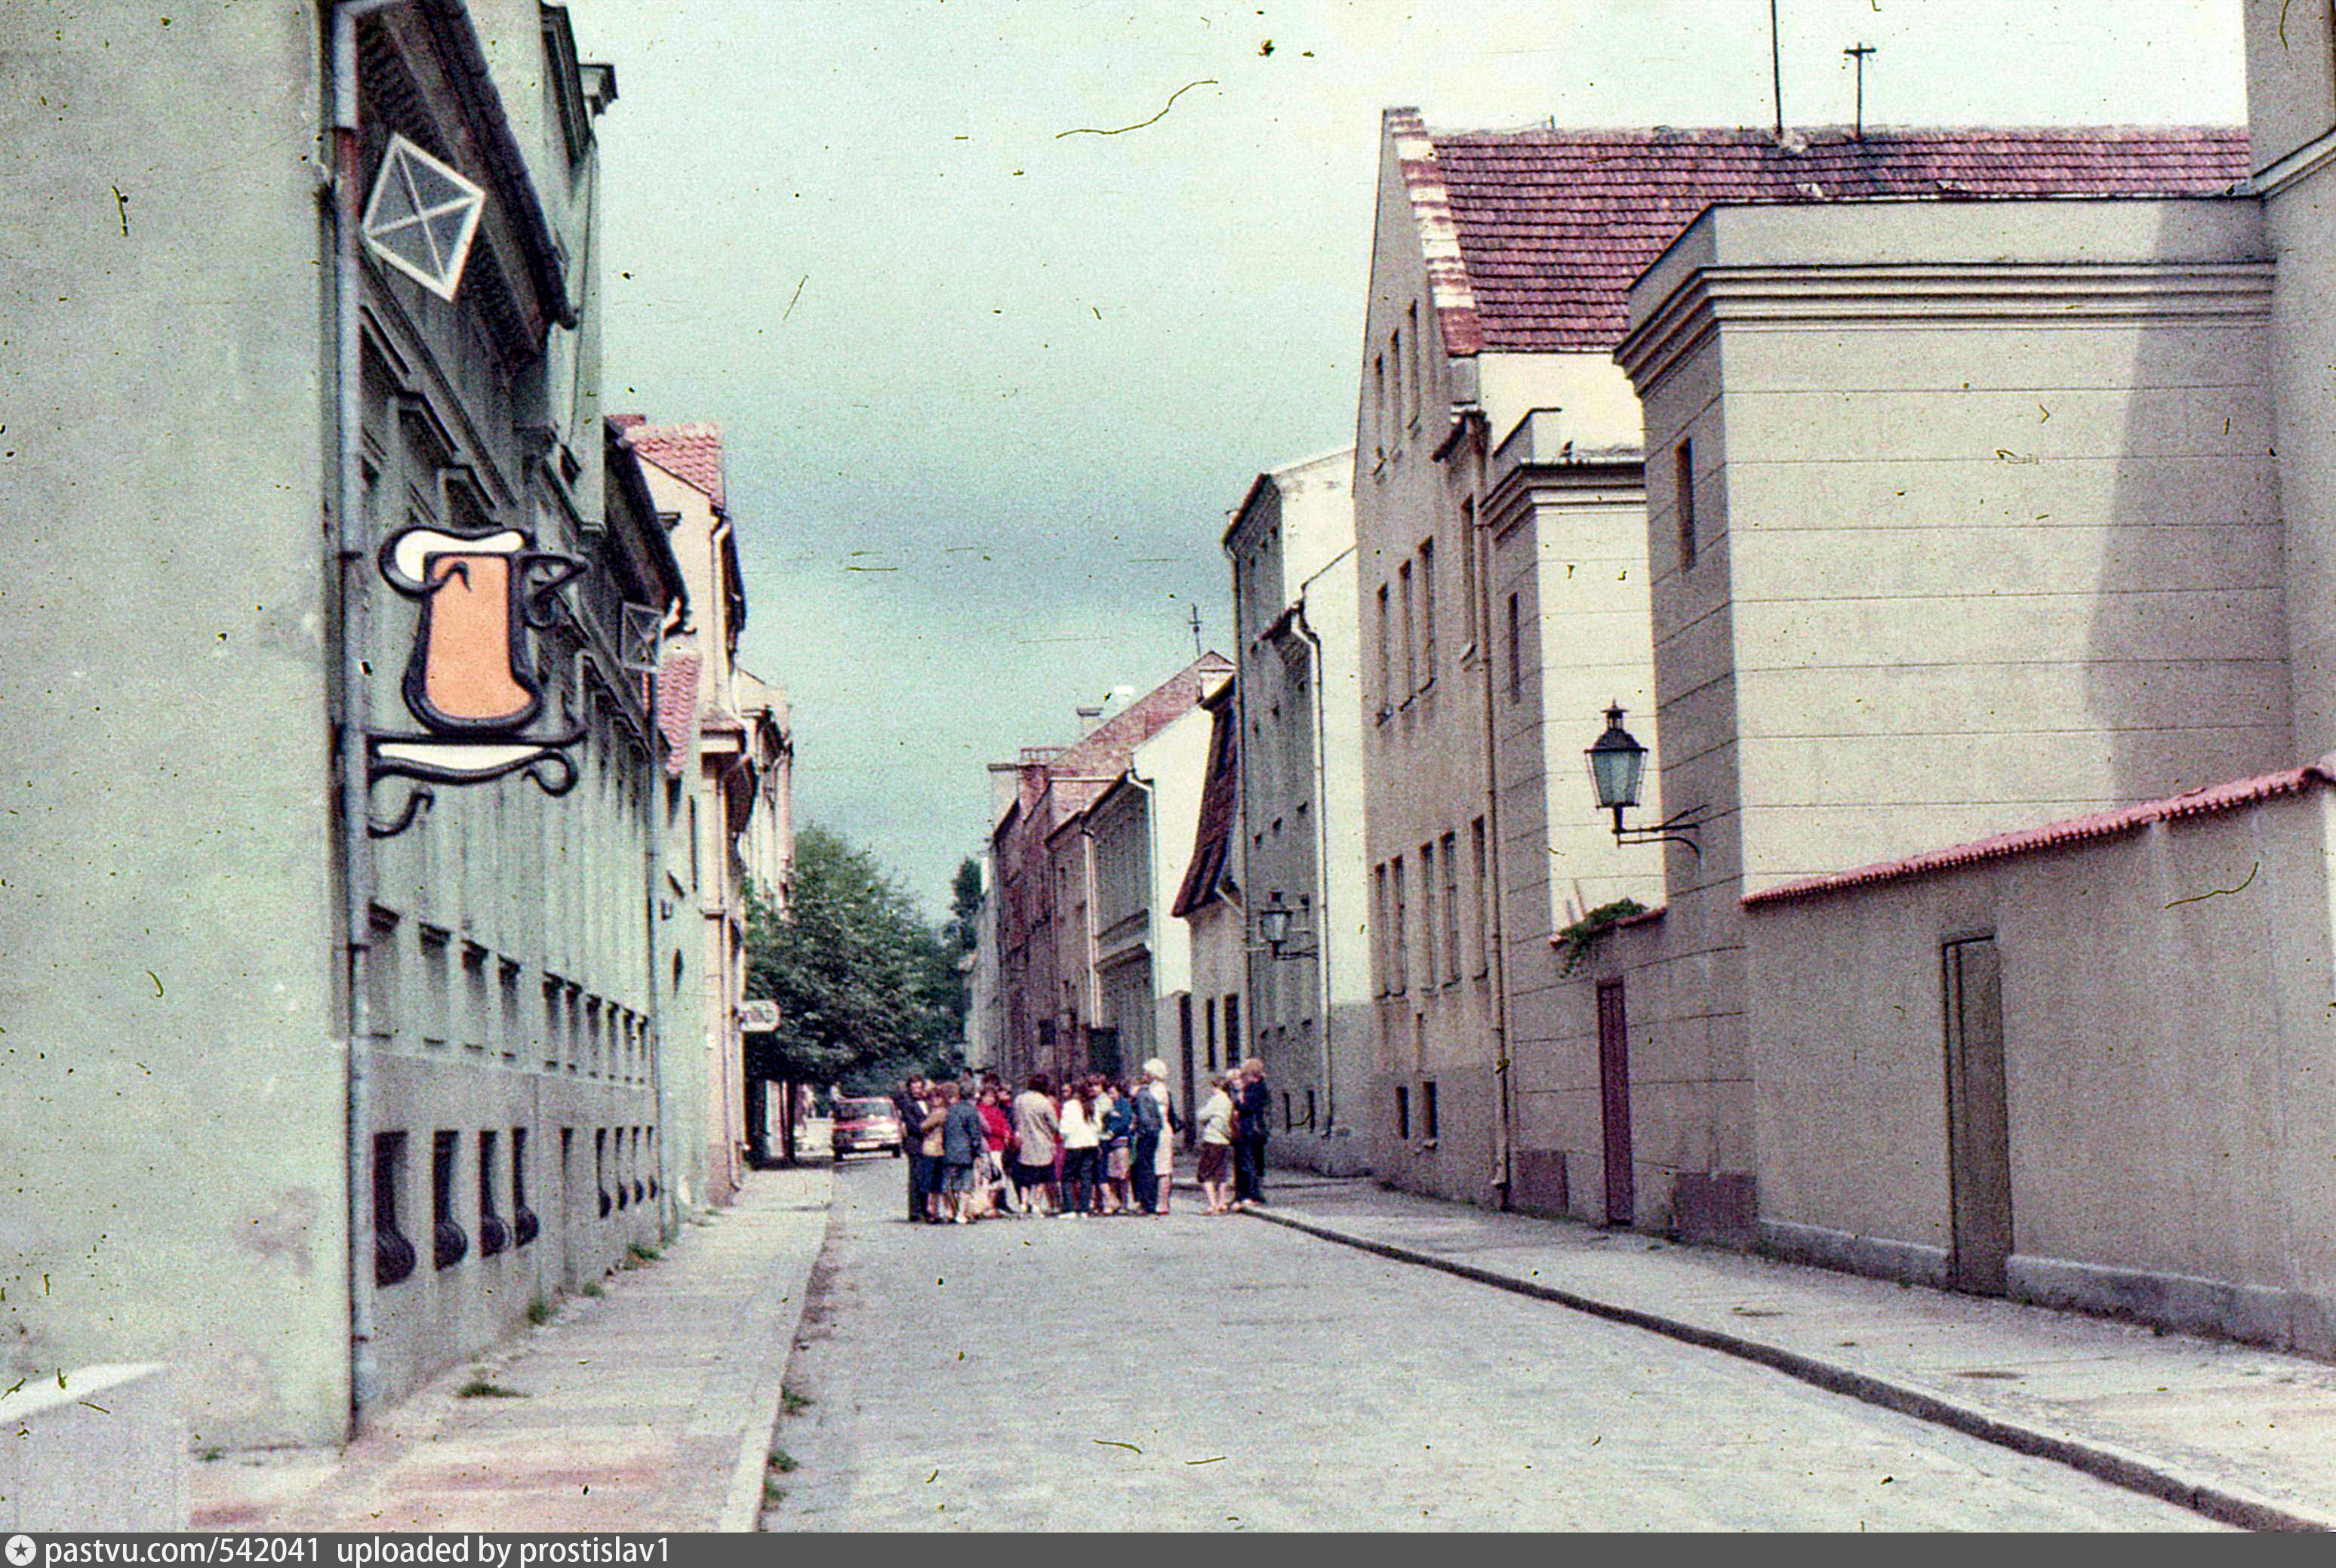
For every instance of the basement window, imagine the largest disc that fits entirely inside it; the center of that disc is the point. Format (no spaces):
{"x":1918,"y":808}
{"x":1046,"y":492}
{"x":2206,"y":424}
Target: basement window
{"x":392,"y":1253}
{"x":450,"y":1242}
{"x":493,"y":1234}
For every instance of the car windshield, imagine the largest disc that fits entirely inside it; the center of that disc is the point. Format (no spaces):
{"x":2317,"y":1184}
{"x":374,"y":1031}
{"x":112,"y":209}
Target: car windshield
{"x":860,"y":1109}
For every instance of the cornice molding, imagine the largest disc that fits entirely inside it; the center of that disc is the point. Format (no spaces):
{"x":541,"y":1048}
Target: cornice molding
{"x":1937,"y":295}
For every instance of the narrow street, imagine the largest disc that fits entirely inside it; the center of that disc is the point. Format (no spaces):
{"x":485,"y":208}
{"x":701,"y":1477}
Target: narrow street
{"x":1200,"y":1373}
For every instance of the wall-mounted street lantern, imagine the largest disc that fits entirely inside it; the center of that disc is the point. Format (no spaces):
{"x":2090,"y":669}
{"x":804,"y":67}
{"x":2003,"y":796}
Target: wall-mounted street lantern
{"x":1618,"y":764}
{"x":1275,"y":922}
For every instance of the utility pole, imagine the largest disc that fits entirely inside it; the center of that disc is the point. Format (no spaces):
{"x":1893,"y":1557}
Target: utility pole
{"x":1777,"y":68}
{"x":1195,"y":612}
{"x":1858,"y":58}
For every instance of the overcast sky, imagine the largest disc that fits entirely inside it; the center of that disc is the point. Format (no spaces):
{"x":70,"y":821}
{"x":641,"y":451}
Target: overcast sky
{"x":990,"y":388}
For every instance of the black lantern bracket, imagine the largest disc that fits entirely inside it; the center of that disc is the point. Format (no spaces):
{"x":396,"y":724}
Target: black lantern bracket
{"x":1284,"y":938}
{"x":1618,"y":764}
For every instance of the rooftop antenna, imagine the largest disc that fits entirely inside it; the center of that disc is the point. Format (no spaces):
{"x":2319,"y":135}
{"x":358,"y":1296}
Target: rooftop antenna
{"x":1857,"y":57}
{"x":1777,"y":68}
{"x":1194,"y":611}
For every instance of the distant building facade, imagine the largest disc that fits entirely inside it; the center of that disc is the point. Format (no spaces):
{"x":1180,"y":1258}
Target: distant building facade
{"x":1042,"y":939}
{"x":1295,"y":832}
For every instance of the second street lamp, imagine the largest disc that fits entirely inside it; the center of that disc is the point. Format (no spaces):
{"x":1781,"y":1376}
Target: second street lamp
{"x":1618,"y":766}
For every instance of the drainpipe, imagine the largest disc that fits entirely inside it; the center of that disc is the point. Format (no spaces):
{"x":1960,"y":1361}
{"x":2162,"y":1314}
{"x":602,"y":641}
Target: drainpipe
{"x":1322,"y":851}
{"x":1503,"y":1119}
{"x":353,"y":559}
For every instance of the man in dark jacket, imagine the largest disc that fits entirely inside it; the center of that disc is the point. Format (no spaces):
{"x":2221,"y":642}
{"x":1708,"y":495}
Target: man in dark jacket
{"x":962,"y":1139}
{"x":1255,"y":1106}
{"x":910,"y":1103}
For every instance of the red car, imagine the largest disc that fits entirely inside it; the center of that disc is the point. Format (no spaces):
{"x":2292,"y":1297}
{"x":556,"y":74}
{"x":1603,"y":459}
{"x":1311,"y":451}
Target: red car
{"x":866,"y":1124}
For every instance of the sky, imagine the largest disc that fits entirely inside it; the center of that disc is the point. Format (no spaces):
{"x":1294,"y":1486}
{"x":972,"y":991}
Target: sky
{"x":990,"y":380}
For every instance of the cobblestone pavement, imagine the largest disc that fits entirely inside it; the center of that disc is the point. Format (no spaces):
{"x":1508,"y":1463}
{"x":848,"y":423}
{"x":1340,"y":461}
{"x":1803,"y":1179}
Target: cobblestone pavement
{"x":1213,"y":1373}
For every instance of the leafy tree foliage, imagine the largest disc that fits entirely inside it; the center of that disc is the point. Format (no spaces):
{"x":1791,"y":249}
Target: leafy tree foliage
{"x":863,"y":986}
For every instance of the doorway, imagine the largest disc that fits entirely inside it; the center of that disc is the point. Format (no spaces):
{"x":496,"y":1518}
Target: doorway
{"x":1979,"y":1129}
{"x":1614,"y":1103}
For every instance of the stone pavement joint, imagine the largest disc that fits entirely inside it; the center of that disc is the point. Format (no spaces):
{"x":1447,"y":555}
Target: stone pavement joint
{"x":1375,"y":1221}
{"x":650,"y":1408}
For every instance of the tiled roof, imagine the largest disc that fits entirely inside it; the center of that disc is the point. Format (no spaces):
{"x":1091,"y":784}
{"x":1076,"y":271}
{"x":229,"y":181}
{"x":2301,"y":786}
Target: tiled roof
{"x":677,"y":710}
{"x":2059,"y":835}
{"x":1212,"y":838}
{"x":691,"y":453}
{"x":1552,"y":226}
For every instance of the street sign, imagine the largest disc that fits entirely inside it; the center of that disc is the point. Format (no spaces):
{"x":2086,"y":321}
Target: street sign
{"x":758,"y":1017}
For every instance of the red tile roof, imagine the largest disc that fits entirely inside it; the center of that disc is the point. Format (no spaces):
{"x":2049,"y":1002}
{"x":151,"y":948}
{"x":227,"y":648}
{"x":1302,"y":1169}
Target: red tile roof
{"x":1209,"y":874}
{"x":2059,"y":835}
{"x":691,"y":453}
{"x":1553,"y":226}
{"x":677,"y":710}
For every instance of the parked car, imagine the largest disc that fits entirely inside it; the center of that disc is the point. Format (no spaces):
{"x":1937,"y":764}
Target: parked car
{"x":866,"y":1124}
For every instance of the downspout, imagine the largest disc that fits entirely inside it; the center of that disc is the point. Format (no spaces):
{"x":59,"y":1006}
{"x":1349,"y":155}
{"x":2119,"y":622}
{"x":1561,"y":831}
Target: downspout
{"x":352,"y":559}
{"x":1155,"y":927}
{"x":1503,"y":1122}
{"x":1321,"y":677}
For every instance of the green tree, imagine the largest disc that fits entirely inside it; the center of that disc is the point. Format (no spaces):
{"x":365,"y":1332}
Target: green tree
{"x":862,"y":983}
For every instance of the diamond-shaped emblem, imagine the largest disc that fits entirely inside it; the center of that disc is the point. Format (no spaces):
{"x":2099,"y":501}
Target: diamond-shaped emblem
{"x":422,"y":217}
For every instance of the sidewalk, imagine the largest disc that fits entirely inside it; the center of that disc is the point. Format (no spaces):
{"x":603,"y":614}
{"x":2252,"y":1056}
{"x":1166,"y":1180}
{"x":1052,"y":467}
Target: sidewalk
{"x":2244,"y":1435}
{"x":648,"y":1410}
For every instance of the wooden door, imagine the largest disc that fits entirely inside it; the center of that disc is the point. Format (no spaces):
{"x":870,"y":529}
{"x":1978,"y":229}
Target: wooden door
{"x":1614,"y":1103}
{"x":1979,"y":1129}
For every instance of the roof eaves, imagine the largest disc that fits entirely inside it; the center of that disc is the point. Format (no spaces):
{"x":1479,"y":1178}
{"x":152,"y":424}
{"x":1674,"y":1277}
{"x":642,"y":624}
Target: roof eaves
{"x":2210,"y":800}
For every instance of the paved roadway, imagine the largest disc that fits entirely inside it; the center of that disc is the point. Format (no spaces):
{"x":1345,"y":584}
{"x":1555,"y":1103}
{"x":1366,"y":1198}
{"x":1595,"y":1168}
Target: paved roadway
{"x":1200,"y":1373}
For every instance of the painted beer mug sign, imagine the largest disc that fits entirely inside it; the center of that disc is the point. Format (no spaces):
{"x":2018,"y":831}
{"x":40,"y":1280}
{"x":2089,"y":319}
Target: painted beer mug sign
{"x":469,"y":680}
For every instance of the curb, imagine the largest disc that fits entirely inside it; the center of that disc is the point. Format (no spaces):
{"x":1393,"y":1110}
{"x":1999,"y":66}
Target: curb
{"x":2108,"y":1462}
{"x":742,"y":1506}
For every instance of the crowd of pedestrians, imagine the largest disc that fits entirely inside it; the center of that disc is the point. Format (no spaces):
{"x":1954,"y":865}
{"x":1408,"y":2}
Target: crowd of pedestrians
{"x":1093,"y":1146}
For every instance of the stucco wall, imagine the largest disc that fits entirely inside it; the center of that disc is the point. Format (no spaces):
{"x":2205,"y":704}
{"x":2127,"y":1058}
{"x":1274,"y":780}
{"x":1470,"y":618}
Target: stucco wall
{"x":2170,"y":1070}
{"x":166,"y":883}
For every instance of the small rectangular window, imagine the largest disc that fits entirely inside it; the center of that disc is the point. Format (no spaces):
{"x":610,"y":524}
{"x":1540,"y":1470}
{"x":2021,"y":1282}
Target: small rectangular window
{"x":1402,"y":1111}
{"x":393,"y":1250}
{"x":1427,"y":944}
{"x":1410,"y":629}
{"x":1386,"y":658}
{"x":1451,"y":908}
{"x":1232,"y":1032}
{"x":1209,"y":1018}
{"x":494,"y":1235}
{"x":1470,"y":620}
{"x":1427,"y":612}
{"x":1379,"y":925}
{"x":1427,"y":1110}
{"x":1683,"y":472}
{"x":1483,"y":885}
{"x":1399,"y":965}
{"x":1516,"y":652}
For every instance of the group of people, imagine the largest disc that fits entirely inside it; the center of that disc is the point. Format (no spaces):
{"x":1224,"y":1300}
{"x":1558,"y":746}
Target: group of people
{"x":1095,"y":1146}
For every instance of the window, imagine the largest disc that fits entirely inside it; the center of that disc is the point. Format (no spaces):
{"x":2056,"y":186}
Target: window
{"x":1683,"y":477}
{"x":1403,"y":1110}
{"x":1452,"y":908}
{"x":1309,"y":1108}
{"x":1232,"y":1032}
{"x":553,"y":1015}
{"x":1412,"y":366}
{"x":1427,"y":612}
{"x":492,"y":1235}
{"x":450,"y":1242}
{"x":1427,"y":1111}
{"x":1516,"y":651}
{"x":393,"y":1253}
{"x":1379,"y":965}
{"x":1427,"y":915}
{"x":1379,"y":400}
{"x":1397,"y":957}
{"x":1184,"y":1025}
{"x":1483,"y":897}
{"x":1410,"y":645}
{"x":525,"y":1226}
{"x":600,"y":1169}
{"x":474,"y":997}
{"x":438,"y":999}
{"x":1395,"y":357}
{"x":513,"y":1028}
{"x":1468,"y":571}
{"x":1387,"y":633}
{"x":1209,"y":1018}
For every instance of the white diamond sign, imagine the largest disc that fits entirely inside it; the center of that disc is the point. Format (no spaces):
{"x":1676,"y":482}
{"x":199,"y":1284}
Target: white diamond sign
{"x":422,"y":217}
